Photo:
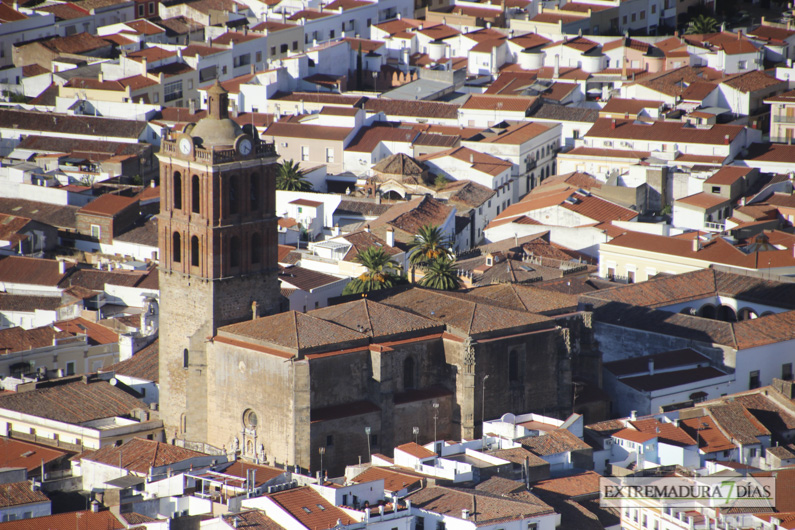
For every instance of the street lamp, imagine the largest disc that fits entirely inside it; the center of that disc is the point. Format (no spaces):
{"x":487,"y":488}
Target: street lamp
{"x":435,"y":417}
{"x":416,"y":431}
{"x":483,"y":410}
{"x":322,"y":451}
{"x":367,"y":432}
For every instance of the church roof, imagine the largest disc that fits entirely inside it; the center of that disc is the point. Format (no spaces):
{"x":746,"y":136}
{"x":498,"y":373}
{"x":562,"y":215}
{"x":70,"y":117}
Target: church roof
{"x":376,"y":320}
{"x":459,"y":312}
{"x":299,"y":332}
{"x":400,"y":164}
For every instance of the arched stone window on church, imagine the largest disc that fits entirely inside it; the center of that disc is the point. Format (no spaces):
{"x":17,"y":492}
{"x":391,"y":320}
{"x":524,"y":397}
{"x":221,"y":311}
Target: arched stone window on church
{"x":194,"y":251}
{"x":185,"y":358}
{"x":513,"y":367}
{"x":408,"y":373}
{"x":256,"y":248}
{"x":183,"y":424}
{"x":176,"y":248}
{"x":177,"y":192}
{"x":255,"y":191}
{"x":234,"y":196}
{"x":196,"y":193}
{"x":234,"y":251}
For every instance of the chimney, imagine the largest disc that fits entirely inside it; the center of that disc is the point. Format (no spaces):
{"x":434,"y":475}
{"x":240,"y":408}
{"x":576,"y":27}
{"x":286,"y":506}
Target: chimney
{"x":61,"y":267}
{"x":676,"y":34}
{"x":336,"y":230}
{"x":94,"y":506}
{"x":739,"y":34}
{"x":100,"y":77}
{"x":464,"y":513}
{"x":253,"y":68}
{"x":367,"y":229}
{"x":633,"y":415}
{"x":556,"y":72}
{"x":192,"y":106}
{"x":726,"y":139}
{"x":651,"y":366}
{"x":613,"y":123}
{"x":696,"y":244}
{"x":742,"y":201}
{"x":471,"y":158}
{"x":399,"y":16}
{"x":254,"y":313}
{"x":390,"y":237}
{"x":144,"y":66}
{"x":152,"y":184}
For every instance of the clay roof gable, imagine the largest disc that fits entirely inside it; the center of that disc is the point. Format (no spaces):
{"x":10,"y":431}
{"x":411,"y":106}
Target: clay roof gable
{"x":483,"y":508}
{"x":703,"y":429}
{"x":527,"y":298}
{"x":400,"y":164}
{"x":292,"y":330}
{"x":108,"y":205}
{"x":19,"y":494}
{"x":460,"y":313}
{"x":18,"y":339}
{"x":771,"y":33}
{"x":738,"y":423}
{"x":74,"y":402}
{"x":467,"y":194}
{"x":753,"y":81}
{"x":634,"y":436}
{"x":394,"y":481}
{"x":96,"y":333}
{"x":554,"y":442}
{"x":36,"y":271}
{"x":482,"y":162}
{"x":305,"y":279}
{"x":578,"y":485}
{"x":774,"y":416}
{"x":410,"y":216}
{"x":376,"y":320}
{"x":145,"y":364}
{"x":362,"y":240}
{"x":310,"y":508}
{"x":665,"y":432}
{"x":500,"y":486}
{"x":85,"y":520}
{"x":138,"y":455}
{"x":663,"y":132}
{"x":769,"y":329}
{"x":17,"y":453}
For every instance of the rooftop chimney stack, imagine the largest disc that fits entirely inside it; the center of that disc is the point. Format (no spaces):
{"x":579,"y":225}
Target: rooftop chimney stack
{"x":390,"y":237}
{"x":633,"y":415}
{"x":696,"y":244}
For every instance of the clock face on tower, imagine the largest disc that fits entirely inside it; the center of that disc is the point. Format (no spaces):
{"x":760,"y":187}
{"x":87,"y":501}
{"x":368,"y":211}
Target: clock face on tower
{"x":244,"y":146}
{"x":185,"y":146}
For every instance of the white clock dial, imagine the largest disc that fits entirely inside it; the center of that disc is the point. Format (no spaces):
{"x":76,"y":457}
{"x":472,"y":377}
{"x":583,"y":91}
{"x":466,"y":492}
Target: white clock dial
{"x":245,"y":146}
{"x":185,"y":146}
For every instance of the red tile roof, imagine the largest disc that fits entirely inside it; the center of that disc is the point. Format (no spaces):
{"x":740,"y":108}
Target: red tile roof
{"x":635,"y":436}
{"x":138,"y":455}
{"x":97,"y":333}
{"x":84,"y":520}
{"x":707,"y":434}
{"x":16,"y":453}
{"x":394,"y":481}
{"x":310,"y":508}
{"x":505,"y":103}
{"x":586,"y":483}
{"x":416,"y":450}
{"x":17,"y":494}
{"x":36,"y":271}
{"x":108,"y":205}
{"x":665,"y":432}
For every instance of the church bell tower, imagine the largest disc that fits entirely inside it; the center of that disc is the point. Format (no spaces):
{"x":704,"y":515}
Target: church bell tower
{"x":217,"y":233}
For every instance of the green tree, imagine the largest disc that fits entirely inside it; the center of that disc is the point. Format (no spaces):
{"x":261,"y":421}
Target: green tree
{"x":382,"y":272}
{"x":291,"y":178}
{"x":441,"y":274}
{"x":701,"y":24}
{"x":429,"y":244}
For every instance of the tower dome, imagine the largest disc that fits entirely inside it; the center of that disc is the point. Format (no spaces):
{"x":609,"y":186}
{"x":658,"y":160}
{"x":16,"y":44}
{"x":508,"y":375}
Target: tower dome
{"x":217,"y":129}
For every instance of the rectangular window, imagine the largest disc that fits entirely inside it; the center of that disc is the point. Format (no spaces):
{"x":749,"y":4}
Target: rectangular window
{"x":439,"y":525}
{"x":172,"y":91}
{"x":715,"y":189}
{"x":242,"y":60}
{"x":273,"y":50}
{"x":151,"y":8}
{"x":295,"y":45}
{"x":331,"y":34}
{"x":786,"y":372}
{"x":330,"y":440}
{"x":643,"y":15}
{"x":304,"y":152}
{"x":70,"y":368}
{"x":420,"y":525}
{"x":625,"y":19}
{"x":259,"y":57}
{"x":157,"y":97}
{"x":654,"y":11}
{"x":208,"y":73}
{"x":645,"y":521}
{"x":634,"y":17}
{"x":329,"y":154}
{"x":96,"y":231}
{"x":752,"y":453}
{"x":283,"y":48}
{"x":743,"y":65}
{"x":753,"y":380}
{"x":140,"y":10}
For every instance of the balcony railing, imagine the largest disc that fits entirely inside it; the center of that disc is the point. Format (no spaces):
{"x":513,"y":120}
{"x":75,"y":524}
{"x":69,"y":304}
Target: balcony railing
{"x":782,"y":119}
{"x":715,"y":227}
{"x":217,"y":156}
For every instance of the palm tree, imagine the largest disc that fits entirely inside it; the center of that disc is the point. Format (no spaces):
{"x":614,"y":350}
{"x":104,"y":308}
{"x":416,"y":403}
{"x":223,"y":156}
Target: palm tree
{"x":291,"y":178}
{"x":441,"y":274}
{"x":381,"y":272}
{"x":701,"y":24}
{"x":429,"y":244}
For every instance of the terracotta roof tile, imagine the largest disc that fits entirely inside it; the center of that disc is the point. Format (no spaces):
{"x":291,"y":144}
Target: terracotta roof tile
{"x":504,"y":103}
{"x":96,"y":333}
{"x":108,"y":205}
{"x":735,"y":420}
{"x":74,"y":401}
{"x":635,"y":436}
{"x":482,"y":507}
{"x":665,"y":432}
{"x":376,"y":320}
{"x":578,"y":485}
{"x":17,"y":494}
{"x":707,"y":434}
{"x":424,"y":109}
{"x":138,"y":455}
{"x":310,"y":508}
{"x":145,"y":364}
{"x":253,"y":520}
{"x":663,"y":131}
{"x":85,"y":520}
{"x":554,"y":442}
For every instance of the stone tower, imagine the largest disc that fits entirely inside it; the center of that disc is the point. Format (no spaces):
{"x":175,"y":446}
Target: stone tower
{"x":218,"y":252}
